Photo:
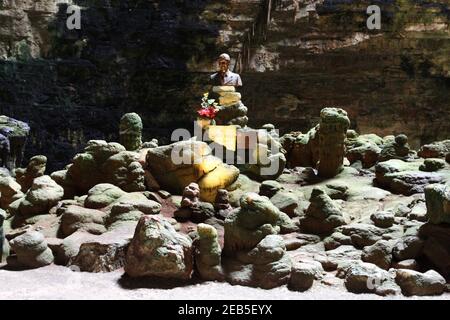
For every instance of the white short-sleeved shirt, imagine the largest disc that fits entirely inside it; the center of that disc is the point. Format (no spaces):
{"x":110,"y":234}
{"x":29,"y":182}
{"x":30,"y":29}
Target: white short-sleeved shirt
{"x":230,"y":79}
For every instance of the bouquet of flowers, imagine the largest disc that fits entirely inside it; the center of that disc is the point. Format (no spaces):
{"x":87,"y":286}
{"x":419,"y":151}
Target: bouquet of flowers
{"x":208,"y":107}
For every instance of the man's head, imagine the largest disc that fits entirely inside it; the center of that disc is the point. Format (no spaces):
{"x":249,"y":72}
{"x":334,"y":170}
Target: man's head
{"x":224,"y":62}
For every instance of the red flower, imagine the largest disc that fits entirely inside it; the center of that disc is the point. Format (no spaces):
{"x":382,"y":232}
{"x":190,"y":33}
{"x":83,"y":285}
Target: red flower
{"x":209,"y":112}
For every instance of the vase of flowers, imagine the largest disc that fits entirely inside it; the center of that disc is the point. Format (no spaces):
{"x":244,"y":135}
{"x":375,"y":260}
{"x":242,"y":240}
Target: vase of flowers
{"x":207,"y":111}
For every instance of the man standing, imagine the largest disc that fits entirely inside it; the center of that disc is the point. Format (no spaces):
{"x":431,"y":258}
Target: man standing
{"x":224,"y":77}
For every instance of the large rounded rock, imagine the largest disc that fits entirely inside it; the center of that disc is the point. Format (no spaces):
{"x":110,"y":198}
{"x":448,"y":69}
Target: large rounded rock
{"x":76,"y":218}
{"x":10,"y":191}
{"x":32,"y":250}
{"x":102,"y":195}
{"x":303,"y":275}
{"x":256,"y":218}
{"x":39,"y":199}
{"x":380,"y":254}
{"x":420,"y":284}
{"x":157,"y":250}
{"x":409,"y":247}
{"x":35,"y":168}
{"x":438,"y":203}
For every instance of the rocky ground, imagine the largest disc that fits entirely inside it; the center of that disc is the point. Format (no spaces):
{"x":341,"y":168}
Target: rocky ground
{"x":342,"y":214}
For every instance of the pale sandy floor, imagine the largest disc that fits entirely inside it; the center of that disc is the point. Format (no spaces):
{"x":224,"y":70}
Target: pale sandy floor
{"x":55,"y":282}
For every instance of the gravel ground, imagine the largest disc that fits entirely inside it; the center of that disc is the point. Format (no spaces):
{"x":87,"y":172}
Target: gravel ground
{"x":56,"y":282}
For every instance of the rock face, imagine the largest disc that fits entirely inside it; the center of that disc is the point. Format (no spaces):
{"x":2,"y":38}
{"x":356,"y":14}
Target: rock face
{"x":131,"y":131}
{"x":322,"y":215}
{"x":208,"y":253}
{"x":157,"y":250}
{"x":269,"y":54}
{"x":13,"y":136}
{"x":256,"y":218}
{"x":231,"y":109}
{"x":333,"y":129}
{"x":177,"y":165}
{"x":420,"y":284}
{"x":31,"y":250}
{"x":104,"y":162}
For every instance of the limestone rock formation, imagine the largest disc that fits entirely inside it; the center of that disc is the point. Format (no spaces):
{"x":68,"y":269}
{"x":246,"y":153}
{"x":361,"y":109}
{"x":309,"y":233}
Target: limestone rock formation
{"x":104,"y":253}
{"x":208,"y":253}
{"x":10,"y":191}
{"x":157,"y":250}
{"x":332,"y":133}
{"x":35,"y":169}
{"x":420,"y":284}
{"x":322,"y":215}
{"x":131,"y":131}
{"x":43,"y":194}
{"x":431,"y":165}
{"x":222,"y":204}
{"x":266,"y":155}
{"x":383,"y":219}
{"x":365,"y":148}
{"x":102,"y":195}
{"x":231,"y":109}
{"x":267,"y":265}
{"x":380,"y":254}
{"x":177,"y":165}
{"x":75,"y":218}
{"x":436,"y":149}
{"x":256,"y":218}
{"x":302,"y":150}
{"x":304,"y":274}
{"x":438,"y":203}
{"x":15,"y":134}
{"x":398,"y":148}
{"x":404,"y":177}
{"x":31,"y":251}
{"x":104,"y":162}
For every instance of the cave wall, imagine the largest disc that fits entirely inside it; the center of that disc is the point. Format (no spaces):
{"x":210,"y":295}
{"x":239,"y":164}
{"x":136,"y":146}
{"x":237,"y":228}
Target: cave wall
{"x":154,"y":57}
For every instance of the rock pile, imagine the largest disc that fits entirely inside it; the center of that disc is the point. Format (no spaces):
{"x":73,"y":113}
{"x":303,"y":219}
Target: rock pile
{"x":231,"y":109}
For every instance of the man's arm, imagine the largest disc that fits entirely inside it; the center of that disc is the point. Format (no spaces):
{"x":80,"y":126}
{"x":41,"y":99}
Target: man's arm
{"x":238,"y":81}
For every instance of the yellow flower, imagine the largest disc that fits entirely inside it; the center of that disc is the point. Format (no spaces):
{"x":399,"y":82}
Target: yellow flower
{"x":206,"y":94}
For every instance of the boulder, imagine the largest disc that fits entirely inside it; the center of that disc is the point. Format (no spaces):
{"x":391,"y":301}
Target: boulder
{"x":380,"y":254}
{"x":10,"y":191}
{"x":435,"y":150}
{"x":431,"y":165}
{"x":75,"y":218}
{"x":404,"y":178}
{"x":437,"y":198}
{"x":269,"y":188}
{"x":362,"y":277}
{"x":420,"y":284}
{"x":409,"y":247}
{"x":102,"y":195}
{"x":397,"y":148}
{"x":157,"y":250}
{"x":436,"y":248}
{"x":383,"y":219}
{"x":104,"y":162}
{"x":286,"y":202}
{"x":365,"y":148}
{"x":208,"y":253}
{"x":322,"y":215}
{"x":43,"y":194}
{"x":177,"y":165}
{"x":267,"y":265}
{"x":256,"y":218}
{"x":35,"y":169}
{"x":303,"y":275}
{"x":104,"y":253}
{"x":31,"y":250}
